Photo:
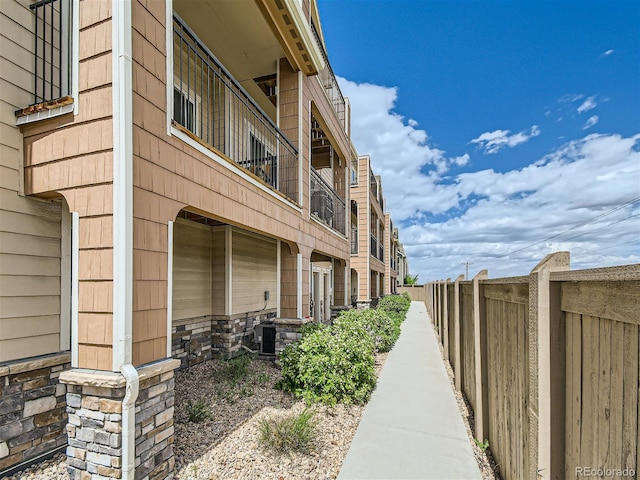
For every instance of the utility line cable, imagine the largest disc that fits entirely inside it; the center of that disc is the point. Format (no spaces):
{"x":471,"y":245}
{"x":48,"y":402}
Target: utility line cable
{"x":609,"y":212}
{"x":597,"y":229}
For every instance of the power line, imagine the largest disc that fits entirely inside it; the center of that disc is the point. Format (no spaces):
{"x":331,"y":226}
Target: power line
{"x":637,"y":242}
{"x":609,"y":212}
{"x":597,"y":229}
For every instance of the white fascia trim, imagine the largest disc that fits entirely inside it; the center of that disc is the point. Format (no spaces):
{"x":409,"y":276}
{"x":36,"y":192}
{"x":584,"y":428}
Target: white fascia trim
{"x":75,"y":286}
{"x":169,"y":60}
{"x":169,"y":286}
{"x":229,"y":166}
{"x":302,"y":25}
{"x":300,"y":141}
{"x":122,"y":183}
{"x":75,"y":56}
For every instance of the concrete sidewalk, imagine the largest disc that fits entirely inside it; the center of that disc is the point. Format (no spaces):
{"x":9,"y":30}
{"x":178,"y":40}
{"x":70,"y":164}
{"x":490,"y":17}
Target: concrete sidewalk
{"x":412,"y":428}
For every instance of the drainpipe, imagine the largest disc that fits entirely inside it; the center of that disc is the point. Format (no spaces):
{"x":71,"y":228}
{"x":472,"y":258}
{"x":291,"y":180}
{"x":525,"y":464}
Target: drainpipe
{"x":129,"y":421}
{"x":122,"y":99}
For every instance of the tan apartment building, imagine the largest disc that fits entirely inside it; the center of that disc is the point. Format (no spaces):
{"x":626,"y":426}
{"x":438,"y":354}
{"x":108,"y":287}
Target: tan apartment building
{"x":367,"y":253}
{"x":391,"y":244}
{"x":402,"y":264}
{"x":173,"y":173}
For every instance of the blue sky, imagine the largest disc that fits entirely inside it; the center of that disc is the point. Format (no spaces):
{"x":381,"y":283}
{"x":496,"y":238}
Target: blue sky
{"x":503,"y":130}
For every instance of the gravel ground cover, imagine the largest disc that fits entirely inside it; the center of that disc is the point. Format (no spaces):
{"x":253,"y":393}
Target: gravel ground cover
{"x":225,"y":444}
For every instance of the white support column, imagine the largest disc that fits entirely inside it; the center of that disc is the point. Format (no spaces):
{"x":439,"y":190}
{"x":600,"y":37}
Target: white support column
{"x":299,"y":288}
{"x":75,"y":286}
{"x":169,"y":286}
{"x":65,"y":278}
{"x":278,"y":275}
{"x":228,"y":265}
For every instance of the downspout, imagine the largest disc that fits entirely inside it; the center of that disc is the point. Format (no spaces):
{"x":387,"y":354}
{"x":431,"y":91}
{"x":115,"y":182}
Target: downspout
{"x":130,"y":374}
{"x":122,"y":100}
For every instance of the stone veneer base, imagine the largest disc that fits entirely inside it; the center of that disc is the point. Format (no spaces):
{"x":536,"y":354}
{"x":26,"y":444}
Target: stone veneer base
{"x":32,"y":410}
{"x":94,"y":405}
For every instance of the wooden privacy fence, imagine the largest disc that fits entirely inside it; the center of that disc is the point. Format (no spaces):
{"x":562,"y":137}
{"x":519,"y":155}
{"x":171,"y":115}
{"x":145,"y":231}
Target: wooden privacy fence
{"x":550,"y":365}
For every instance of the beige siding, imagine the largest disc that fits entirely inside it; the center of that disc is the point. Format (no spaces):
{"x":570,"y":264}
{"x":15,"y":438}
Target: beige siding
{"x":254,"y":272}
{"x":217,"y":271}
{"x":30,"y":229}
{"x":191,"y":271}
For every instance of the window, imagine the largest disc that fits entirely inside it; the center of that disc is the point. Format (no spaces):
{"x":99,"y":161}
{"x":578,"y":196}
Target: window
{"x":184,"y":110}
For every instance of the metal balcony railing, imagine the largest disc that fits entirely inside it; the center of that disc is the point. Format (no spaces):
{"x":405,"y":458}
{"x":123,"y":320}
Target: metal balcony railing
{"x":213,"y":106}
{"x":52,"y":49}
{"x":354,"y":241}
{"x":329,"y":82}
{"x":326,"y":204}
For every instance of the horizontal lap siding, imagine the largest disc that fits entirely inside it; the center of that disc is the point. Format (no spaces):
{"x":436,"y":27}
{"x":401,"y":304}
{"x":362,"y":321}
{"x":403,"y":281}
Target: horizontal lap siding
{"x":602,"y":363}
{"x":192,"y":247}
{"x":30,"y":230}
{"x":254,"y":271}
{"x":507,"y":368}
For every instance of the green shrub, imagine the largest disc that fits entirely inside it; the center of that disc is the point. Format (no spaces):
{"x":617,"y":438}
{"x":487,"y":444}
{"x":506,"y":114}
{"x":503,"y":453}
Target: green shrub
{"x":395,"y":304}
{"x":198,"y":410}
{"x":292,"y":432}
{"x":380,"y":327}
{"x":330,"y":365}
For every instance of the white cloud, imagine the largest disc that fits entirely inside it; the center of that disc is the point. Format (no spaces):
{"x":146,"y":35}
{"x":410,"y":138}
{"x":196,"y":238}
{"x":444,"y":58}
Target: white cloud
{"x":462,"y":160}
{"x":481,"y":216}
{"x":590,"y":122}
{"x":607,"y":53}
{"x":589,"y":104}
{"x":493,"y":142}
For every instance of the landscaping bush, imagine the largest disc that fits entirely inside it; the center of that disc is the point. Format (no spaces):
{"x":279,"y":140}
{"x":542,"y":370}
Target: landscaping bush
{"x":395,"y":303}
{"x":380,"y":327}
{"x":291,"y":432}
{"x":330,"y":365}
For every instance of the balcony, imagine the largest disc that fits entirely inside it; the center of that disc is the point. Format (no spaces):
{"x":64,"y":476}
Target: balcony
{"x":328,"y":80}
{"x":354,"y":241}
{"x":210,"y":105}
{"x":326,"y":205}
{"x":52,"y":64}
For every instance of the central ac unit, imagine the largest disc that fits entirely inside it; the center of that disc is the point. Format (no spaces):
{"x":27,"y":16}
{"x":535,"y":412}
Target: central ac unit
{"x":265,"y":336}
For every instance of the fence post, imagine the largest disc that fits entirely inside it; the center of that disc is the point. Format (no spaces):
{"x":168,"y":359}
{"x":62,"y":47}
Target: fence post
{"x":456,"y":334}
{"x":480,"y":340}
{"x":445,"y":319}
{"x":545,"y":394}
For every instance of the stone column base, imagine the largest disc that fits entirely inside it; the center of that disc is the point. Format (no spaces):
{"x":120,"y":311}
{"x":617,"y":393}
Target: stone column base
{"x":95,"y":429}
{"x":363,"y":304}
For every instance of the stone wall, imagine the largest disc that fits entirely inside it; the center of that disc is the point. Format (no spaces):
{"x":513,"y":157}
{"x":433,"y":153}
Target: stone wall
{"x":95,"y":428}
{"x":288,"y":331}
{"x":229,"y":333}
{"x":191,"y":341}
{"x":200,"y":339}
{"x":32,"y":410}
{"x":154,"y":427}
